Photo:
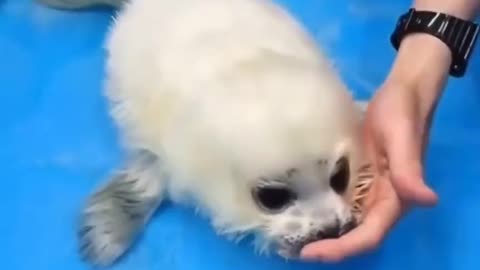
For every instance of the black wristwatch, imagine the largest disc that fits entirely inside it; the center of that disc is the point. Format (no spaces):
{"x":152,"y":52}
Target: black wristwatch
{"x":458,"y":34}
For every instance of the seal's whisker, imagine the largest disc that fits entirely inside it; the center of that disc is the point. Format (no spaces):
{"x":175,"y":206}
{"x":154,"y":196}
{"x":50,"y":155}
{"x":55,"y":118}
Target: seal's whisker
{"x":365,"y":178}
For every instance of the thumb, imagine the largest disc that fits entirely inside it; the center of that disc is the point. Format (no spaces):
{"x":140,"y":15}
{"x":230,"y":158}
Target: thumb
{"x":406,"y":170}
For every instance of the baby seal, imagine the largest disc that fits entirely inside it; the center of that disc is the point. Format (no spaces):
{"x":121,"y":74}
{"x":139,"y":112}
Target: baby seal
{"x":227,"y":106}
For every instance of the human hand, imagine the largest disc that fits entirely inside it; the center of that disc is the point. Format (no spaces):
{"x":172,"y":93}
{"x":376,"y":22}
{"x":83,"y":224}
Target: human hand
{"x":397,"y":125}
{"x":399,"y":116}
{"x":396,"y":130}
{"x":382,"y":207}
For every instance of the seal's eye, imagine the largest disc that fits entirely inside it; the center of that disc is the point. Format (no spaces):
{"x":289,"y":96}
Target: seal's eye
{"x":273,"y":198}
{"x":340,"y":176}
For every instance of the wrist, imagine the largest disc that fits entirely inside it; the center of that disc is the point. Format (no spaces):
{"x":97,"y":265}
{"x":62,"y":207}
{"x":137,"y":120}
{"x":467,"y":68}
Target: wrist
{"x":422,"y":65}
{"x":464,"y":9}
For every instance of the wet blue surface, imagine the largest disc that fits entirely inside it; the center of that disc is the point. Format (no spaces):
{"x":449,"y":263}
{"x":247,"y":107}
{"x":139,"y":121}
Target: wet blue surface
{"x":57,"y":143}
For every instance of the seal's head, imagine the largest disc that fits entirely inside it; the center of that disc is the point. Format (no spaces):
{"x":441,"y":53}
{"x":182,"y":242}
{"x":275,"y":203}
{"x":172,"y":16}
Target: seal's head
{"x":315,"y":201}
{"x":291,"y":205}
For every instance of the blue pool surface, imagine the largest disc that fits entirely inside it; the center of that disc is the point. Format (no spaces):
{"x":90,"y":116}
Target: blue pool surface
{"x":57,"y":143}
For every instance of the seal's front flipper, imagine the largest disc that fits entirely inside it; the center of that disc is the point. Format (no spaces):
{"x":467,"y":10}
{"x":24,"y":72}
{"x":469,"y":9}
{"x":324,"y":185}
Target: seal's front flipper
{"x":82,"y":4}
{"x":116,"y":214}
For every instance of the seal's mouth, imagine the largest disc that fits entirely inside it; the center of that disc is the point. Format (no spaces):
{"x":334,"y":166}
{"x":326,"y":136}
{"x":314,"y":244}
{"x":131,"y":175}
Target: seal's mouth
{"x":289,"y":250}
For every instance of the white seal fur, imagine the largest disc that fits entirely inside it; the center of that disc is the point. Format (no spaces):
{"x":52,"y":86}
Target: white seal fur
{"x":230,"y":107}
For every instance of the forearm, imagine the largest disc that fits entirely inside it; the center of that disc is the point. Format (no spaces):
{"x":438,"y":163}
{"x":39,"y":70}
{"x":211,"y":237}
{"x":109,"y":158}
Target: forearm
{"x":423,"y":61}
{"x":465,"y":9}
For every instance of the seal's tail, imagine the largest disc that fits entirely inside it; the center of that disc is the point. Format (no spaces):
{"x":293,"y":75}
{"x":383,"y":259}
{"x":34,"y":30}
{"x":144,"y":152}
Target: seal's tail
{"x":115,"y":215}
{"x":82,"y":4}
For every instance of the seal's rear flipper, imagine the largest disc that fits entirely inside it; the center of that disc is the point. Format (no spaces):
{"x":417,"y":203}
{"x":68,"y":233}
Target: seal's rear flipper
{"x":81,"y":4}
{"x":115,"y":215}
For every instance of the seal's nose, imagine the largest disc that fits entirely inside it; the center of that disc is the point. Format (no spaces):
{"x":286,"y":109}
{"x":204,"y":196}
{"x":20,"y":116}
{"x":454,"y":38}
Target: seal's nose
{"x":332,"y":231}
{"x":336,"y":230}
{"x":348,"y":227}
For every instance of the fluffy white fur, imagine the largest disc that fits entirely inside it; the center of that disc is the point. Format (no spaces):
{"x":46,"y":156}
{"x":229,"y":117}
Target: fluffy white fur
{"x":221,"y":97}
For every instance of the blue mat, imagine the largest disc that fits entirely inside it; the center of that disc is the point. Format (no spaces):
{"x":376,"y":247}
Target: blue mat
{"x":57,"y":143}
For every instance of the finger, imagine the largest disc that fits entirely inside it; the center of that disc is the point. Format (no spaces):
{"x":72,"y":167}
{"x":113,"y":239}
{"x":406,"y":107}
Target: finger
{"x":365,"y":237}
{"x":404,"y":151}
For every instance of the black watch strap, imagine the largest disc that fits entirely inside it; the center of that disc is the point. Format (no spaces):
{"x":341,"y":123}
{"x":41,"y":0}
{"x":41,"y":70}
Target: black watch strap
{"x":458,"y":34}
